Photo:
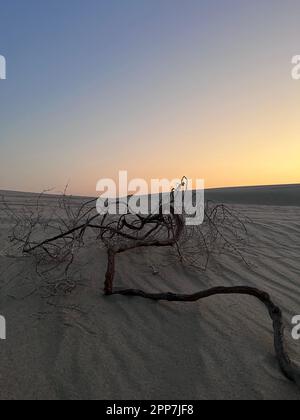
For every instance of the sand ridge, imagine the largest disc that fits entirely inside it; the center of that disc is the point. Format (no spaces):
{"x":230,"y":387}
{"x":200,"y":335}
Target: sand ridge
{"x":87,"y":346}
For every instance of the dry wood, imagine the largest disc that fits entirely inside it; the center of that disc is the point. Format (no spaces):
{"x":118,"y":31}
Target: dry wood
{"x":66,"y":231}
{"x":287,"y":367}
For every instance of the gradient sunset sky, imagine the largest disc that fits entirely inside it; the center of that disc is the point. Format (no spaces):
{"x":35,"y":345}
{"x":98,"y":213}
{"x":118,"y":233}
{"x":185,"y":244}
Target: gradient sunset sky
{"x":162,"y":88}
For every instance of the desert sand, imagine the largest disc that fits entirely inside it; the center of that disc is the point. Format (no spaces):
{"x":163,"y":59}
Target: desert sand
{"x":82,"y":345}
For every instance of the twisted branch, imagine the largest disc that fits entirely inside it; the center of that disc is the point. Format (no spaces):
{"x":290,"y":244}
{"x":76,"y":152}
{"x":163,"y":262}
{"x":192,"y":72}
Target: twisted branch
{"x":287,"y":367}
{"x":66,"y":230}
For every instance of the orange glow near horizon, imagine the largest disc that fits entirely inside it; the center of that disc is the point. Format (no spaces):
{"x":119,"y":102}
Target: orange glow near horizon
{"x":198,"y":89}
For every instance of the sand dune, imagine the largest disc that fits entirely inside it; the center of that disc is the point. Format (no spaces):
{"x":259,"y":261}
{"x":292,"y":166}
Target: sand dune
{"x":276,"y":195}
{"x":87,"y":346}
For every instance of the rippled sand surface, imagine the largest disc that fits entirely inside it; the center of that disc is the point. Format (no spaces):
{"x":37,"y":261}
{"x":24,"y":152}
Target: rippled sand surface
{"x":87,"y":346}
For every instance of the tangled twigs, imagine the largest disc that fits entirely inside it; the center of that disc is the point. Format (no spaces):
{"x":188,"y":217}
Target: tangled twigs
{"x":54,"y":239}
{"x":172,"y":227}
{"x":287,"y":367}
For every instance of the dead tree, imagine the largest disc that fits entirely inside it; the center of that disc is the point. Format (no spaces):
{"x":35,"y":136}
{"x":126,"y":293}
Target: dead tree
{"x":68,"y":228}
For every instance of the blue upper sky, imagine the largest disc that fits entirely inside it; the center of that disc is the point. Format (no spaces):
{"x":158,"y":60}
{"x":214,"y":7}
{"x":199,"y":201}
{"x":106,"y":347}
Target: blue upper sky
{"x":159,"y":87}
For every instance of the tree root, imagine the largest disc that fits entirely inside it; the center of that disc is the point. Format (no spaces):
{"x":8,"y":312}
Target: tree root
{"x":110,"y":273}
{"x":291,"y":371}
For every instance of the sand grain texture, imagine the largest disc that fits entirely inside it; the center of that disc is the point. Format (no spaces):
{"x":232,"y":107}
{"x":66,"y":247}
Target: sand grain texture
{"x":87,"y":346}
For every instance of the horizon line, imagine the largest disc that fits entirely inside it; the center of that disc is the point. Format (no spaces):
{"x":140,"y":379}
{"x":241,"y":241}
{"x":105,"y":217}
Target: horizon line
{"x":49,"y":193}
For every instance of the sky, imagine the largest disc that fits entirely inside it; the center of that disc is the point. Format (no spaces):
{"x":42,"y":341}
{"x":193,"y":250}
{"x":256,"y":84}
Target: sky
{"x":160,"y":88}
